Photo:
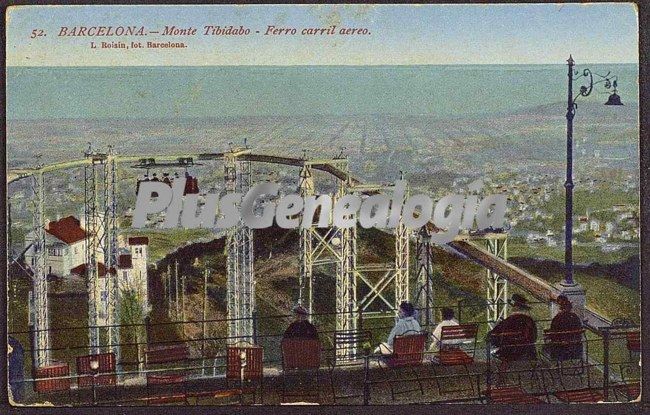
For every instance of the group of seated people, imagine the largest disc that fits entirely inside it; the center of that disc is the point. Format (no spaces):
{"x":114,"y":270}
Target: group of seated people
{"x":513,"y":338}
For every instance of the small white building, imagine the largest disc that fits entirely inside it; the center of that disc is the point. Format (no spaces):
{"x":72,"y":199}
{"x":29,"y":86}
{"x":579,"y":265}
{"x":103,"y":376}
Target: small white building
{"x":65,"y":244}
{"x":132,"y":268}
{"x":594,"y":225}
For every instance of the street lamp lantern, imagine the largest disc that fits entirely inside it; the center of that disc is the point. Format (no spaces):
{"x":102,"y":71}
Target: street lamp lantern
{"x":614,"y":99}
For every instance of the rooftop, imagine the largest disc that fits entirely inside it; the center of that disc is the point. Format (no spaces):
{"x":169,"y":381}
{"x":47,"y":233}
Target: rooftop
{"x":67,"y":229}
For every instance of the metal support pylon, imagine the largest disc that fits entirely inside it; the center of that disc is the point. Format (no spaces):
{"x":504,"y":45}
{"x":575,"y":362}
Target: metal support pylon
{"x":346,"y":282}
{"x":109,"y":248}
{"x":305,"y":293}
{"x":91,"y":227}
{"x":39,"y":301}
{"x":239,"y":245}
{"x":100,"y":224}
{"x":424,"y":278}
{"x":318,"y":247}
{"x":395,"y":273}
{"x":402,"y":242}
{"x":497,"y":286}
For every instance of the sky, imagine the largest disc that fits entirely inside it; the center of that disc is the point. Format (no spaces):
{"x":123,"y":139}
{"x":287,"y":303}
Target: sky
{"x":398,"y":35}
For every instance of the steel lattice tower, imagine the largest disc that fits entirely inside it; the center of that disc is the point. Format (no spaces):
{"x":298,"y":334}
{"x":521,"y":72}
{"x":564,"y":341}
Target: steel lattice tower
{"x":424,"y":277}
{"x":497,"y":286}
{"x":39,"y":303}
{"x":239,"y":244}
{"x":91,"y":227}
{"x":306,"y":189}
{"x":346,"y":281}
{"x":109,"y":248}
{"x":100,"y":224}
{"x":402,"y":243}
{"x":396,"y":272}
{"x":317,"y":247}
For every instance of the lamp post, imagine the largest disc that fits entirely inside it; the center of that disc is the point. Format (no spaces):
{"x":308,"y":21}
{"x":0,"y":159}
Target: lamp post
{"x":94,"y":368}
{"x":609,"y":81}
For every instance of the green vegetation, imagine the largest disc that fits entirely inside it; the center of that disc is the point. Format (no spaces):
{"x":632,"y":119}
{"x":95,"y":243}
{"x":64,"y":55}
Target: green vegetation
{"x":582,"y":254}
{"x":132,"y":316}
{"x":163,"y":242}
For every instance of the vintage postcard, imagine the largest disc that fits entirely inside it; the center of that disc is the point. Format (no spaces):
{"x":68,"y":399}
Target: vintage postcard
{"x":323,"y":204}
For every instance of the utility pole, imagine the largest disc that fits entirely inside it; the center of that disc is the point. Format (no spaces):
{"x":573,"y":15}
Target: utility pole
{"x":205,"y":316}
{"x":169,"y":290}
{"x":183,"y":303}
{"x":176,"y":291}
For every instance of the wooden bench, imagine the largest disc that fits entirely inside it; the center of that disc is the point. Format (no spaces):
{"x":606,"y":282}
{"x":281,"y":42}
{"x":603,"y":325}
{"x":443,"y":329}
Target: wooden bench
{"x":346,"y":340}
{"x":184,"y":397}
{"x":54,"y":370}
{"x":580,"y":395}
{"x":300,"y":357}
{"x":160,"y":356}
{"x":87,"y":378}
{"x":166,"y":382}
{"x":629,"y":391}
{"x":511,"y":395}
{"x":253,"y":369}
{"x":408,"y":353}
{"x":457,"y":348}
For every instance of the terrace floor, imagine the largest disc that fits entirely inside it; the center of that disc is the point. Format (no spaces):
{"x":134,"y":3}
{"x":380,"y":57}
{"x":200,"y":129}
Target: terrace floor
{"x":426,"y":383}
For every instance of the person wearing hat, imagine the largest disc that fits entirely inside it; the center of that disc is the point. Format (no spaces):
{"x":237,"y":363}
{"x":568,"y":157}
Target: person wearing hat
{"x":516,"y":335}
{"x":565,"y":332}
{"x":300,"y":328}
{"x":406,"y":324}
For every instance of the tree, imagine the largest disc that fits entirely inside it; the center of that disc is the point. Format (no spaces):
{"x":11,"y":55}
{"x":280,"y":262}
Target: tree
{"x":132,"y":315}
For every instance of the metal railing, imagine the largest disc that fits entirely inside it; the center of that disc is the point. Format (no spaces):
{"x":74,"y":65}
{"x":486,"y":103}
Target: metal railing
{"x":609,"y":356}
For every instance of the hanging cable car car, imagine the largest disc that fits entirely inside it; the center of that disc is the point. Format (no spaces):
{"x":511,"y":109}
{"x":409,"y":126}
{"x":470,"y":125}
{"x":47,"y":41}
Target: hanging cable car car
{"x":191,"y":185}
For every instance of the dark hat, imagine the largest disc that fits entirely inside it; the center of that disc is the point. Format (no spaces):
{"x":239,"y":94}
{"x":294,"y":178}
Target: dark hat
{"x":519,"y":301}
{"x":298,"y":309}
{"x":563,"y":301}
{"x":408,"y":308}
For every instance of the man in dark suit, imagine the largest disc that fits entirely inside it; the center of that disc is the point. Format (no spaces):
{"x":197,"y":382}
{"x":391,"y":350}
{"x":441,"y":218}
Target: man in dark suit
{"x":16,"y":368}
{"x":565,"y":337}
{"x":516,"y":335}
{"x":301,"y":328}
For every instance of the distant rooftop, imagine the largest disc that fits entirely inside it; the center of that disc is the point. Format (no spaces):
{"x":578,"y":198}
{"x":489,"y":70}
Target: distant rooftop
{"x":68,"y":230}
{"x":138,"y":240}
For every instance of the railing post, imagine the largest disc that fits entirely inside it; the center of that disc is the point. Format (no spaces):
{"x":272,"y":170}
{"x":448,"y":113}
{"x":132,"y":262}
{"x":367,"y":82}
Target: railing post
{"x":147,"y":325}
{"x":255,"y":327}
{"x":366,"y":379}
{"x":488,"y":371}
{"x":460,"y":311}
{"x":606,"y":363}
{"x":360,"y":320}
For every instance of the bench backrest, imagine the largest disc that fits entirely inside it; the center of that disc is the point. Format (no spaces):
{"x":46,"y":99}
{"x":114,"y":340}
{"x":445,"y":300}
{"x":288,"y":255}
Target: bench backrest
{"x":349,"y":339}
{"x":166,"y":354}
{"x":254,"y":368}
{"x":408,"y":350}
{"x":106,"y":365}
{"x":458,"y":344}
{"x":300,"y":354}
{"x":564,"y":338}
{"x":462,"y":333}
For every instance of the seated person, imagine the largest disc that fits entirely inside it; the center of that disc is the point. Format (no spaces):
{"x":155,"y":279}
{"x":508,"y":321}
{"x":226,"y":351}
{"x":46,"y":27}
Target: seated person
{"x":300,"y":328}
{"x":563,"y":345}
{"x":405,"y":324}
{"x":447,"y":320}
{"x":515,"y":336}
